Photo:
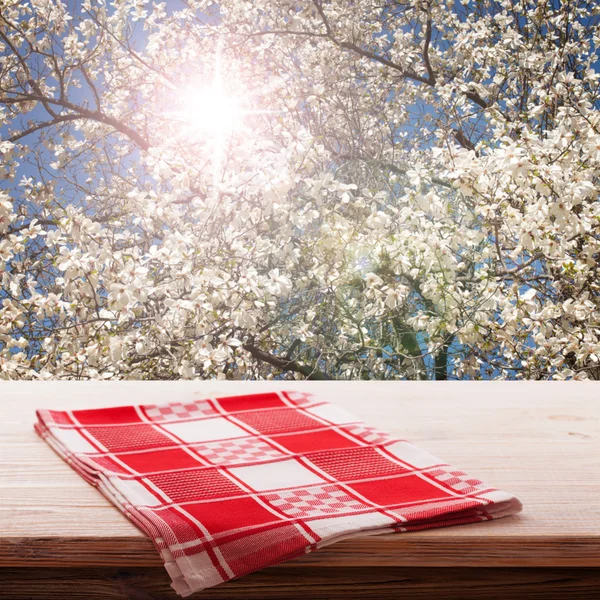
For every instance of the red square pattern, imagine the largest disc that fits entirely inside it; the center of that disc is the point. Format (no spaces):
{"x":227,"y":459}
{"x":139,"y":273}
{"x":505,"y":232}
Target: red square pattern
{"x":399,"y":490}
{"x":231,"y":515}
{"x":283,"y":541}
{"x":159,"y":460}
{"x":440,"y":510}
{"x":107,"y":416}
{"x":230,"y":485}
{"x":314,"y":441}
{"x":129,"y":437}
{"x":233,"y":404}
{"x":353,"y":464}
{"x":281,"y":420}
{"x":195,"y":484}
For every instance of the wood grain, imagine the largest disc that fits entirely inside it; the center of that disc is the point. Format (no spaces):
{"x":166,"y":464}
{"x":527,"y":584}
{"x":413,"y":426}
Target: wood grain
{"x":538,"y":440}
{"x":297,"y":584}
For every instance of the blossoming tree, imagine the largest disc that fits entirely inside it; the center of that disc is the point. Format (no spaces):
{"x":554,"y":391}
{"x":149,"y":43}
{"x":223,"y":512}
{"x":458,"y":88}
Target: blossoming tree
{"x":324,"y":189}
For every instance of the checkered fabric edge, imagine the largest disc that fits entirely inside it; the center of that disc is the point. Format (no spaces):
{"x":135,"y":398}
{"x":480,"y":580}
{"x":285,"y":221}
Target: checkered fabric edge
{"x":227,"y":486}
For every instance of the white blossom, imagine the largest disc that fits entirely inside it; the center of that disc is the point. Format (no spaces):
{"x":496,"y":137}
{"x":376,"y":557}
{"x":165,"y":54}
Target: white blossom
{"x":376,"y":202}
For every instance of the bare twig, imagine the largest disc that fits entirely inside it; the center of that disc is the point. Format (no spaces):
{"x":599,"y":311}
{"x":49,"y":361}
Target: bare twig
{"x":285,"y":364}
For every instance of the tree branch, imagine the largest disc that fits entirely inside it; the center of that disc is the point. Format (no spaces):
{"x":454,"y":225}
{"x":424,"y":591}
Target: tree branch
{"x":93,"y":115}
{"x":522,"y":266}
{"x":285,"y":364}
{"x":367,"y":53}
{"x":475,"y":97}
{"x":441,"y":361}
{"x":38,"y":126}
{"x":13,"y":230}
{"x":25,"y":66}
{"x":430,"y":71}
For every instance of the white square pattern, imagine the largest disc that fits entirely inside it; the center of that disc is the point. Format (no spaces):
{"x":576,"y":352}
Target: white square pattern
{"x":135,"y":492}
{"x":300,"y":398}
{"x":178,"y":412}
{"x":205,"y":430}
{"x":199,"y":568}
{"x":72,"y":440}
{"x":314,"y":501}
{"x":412,"y":455}
{"x":368,"y":434}
{"x":332,"y":414}
{"x":330,"y":527}
{"x":242,"y":450}
{"x":276,"y":475}
{"x":457,"y":480}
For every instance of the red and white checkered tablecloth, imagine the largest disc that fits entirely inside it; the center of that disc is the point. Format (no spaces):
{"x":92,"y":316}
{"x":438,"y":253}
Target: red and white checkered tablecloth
{"x":228,"y":486}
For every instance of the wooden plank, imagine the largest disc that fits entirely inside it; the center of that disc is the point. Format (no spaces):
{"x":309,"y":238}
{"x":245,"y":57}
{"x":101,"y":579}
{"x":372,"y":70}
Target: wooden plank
{"x":538,"y":440}
{"x":298,"y":584}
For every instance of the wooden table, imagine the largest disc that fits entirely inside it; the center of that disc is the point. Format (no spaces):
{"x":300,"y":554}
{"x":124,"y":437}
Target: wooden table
{"x":60,"y":538}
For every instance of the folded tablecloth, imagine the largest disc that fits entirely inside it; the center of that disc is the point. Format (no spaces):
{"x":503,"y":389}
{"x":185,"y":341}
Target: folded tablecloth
{"x":226,"y":486}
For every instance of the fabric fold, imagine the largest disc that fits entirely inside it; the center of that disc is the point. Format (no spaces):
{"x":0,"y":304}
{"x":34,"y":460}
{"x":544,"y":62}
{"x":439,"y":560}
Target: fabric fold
{"x":227,"y":486}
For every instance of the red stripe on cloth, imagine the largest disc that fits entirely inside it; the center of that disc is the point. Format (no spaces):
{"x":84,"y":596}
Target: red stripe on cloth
{"x":230,"y":485}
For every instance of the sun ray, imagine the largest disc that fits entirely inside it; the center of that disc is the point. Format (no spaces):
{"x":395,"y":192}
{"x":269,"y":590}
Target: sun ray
{"x":214,"y":113}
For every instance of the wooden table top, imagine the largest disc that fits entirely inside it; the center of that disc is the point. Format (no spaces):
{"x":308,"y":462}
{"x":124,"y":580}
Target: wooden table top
{"x":538,"y":440}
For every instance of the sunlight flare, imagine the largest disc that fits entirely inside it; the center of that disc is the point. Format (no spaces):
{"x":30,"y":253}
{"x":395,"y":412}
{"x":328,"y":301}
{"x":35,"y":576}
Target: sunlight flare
{"x":211,"y":111}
